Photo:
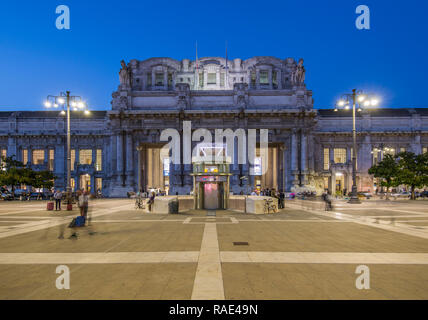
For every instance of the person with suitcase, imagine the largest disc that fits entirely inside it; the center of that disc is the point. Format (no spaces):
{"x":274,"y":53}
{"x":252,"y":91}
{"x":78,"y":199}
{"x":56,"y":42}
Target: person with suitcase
{"x":83,"y":203}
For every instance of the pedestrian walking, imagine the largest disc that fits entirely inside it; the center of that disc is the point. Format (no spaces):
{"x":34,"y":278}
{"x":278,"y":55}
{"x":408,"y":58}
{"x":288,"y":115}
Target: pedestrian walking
{"x":83,"y":203}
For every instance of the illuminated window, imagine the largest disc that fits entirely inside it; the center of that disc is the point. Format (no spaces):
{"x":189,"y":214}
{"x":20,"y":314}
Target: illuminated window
{"x":390,"y":151}
{"x":264,"y":77}
{"x":51,"y":159}
{"x":72,"y":184}
{"x":98,"y":165}
{"x":339,"y":155}
{"x":211,"y":79}
{"x":25,"y":156}
{"x":375,"y":154}
{"x":424,"y":150}
{"x":326,"y":158}
{"x":73,"y":158}
{"x":166,"y":167}
{"x":3,"y":155}
{"x":85,"y":156}
{"x":258,"y":166}
{"x":38,"y":156}
{"x":402,"y":149}
{"x":159,"y":79}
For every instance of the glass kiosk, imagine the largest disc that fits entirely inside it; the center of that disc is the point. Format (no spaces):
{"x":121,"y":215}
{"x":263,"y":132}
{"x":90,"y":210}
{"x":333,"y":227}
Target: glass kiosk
{"x":211,"y":185}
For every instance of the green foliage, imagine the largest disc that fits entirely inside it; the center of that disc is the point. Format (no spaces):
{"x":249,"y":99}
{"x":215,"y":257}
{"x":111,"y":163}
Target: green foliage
{"x":413,"y":170}
{"x":41,"y":179}
{"x":14,"y":172}
{"x":387,"y":171}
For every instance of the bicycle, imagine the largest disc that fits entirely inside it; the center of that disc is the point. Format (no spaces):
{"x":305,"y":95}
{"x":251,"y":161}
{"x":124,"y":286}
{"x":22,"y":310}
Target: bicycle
{"x":268,"y":206}
{"x":139,"y":203}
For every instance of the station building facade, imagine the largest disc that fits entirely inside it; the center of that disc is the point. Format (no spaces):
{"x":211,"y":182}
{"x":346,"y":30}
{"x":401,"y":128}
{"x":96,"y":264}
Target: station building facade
{"x":123,"y":149}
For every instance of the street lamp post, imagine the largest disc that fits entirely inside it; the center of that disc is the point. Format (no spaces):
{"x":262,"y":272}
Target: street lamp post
{"x":65,"y":100}
{"x":361,"y":98}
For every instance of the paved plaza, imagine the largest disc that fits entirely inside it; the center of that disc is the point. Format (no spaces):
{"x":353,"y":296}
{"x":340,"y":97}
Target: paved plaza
{"x":302,"y":252}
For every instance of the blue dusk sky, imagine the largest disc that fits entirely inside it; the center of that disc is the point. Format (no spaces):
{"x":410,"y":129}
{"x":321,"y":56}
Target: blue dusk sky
{"x":36,"y":59}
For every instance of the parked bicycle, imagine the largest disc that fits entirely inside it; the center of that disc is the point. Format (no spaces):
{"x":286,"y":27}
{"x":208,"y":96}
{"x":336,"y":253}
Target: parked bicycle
{"x":139,"y":203}
{"x":269,"y":206}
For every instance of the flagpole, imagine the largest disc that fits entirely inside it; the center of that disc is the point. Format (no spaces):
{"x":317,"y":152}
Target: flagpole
{"x":197,"y":68}
{"x":227,"y":70}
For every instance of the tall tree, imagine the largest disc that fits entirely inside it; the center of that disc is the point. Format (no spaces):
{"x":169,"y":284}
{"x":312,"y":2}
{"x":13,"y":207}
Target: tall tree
{"x":412,"y":170}
{"x":386,"y":170}
{"x":12,"y":173}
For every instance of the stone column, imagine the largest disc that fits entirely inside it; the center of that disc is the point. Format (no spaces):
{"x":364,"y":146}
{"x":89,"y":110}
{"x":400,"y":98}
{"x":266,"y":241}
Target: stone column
{"x":165,"y":79}
{"x":278,"y":79}
{"x":139,"y":150}
{"x":303,"y":158}
{"x":119,"y":157}
{"x":294,"y":157}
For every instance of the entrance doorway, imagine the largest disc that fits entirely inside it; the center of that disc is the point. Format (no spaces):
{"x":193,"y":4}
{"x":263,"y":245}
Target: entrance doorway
{"x":85,"y":182}
{"x":211,"y":196}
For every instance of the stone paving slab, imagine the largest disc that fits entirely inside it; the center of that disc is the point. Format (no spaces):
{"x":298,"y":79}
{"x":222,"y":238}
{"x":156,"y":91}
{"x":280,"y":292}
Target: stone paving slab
{"x":322,"y":281}
{"x":312,"y":237}
{"x":119,"y":237}
{"x":112,"y":281}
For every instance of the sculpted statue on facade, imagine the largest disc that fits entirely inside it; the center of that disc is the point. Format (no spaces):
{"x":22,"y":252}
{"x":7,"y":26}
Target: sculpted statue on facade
{"x":125,"y":75}
{"x":298,"y":76}
{"x":240,"y":95}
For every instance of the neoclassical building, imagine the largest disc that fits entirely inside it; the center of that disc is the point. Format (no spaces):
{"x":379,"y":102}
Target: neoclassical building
{"x":123,"y":149}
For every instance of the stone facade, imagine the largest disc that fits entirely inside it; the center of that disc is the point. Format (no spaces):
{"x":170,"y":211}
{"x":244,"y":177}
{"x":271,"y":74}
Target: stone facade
{"x":258,"y":93}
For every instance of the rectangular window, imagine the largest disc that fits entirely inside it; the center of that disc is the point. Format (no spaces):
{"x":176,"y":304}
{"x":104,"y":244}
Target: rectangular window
{"x":149,"y":79}
{"x":3,"y":155}
{"x":339,"y":155}
{"x":25,"y":156}
{"x":159,"y":79}
{"x":375,"y":154}
{"x":402,"y":149}
{"x":390,"y":151}
{"x":51,"y":159}
{"x":326,"y":158}
{"x":99,"y":183}
{"x":38,"y":156}
{"x":211,"y":78}
{"x":258,"y":166}
{"x":424,"y":150}
{"x":72,"y":184}
{"x":85,"y":156}
{"x":169,"y":79}
{"x":73,"y":158}
{"x":264,"y":77}
{"x":222,"y":79}
{"x":98,"y":165}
